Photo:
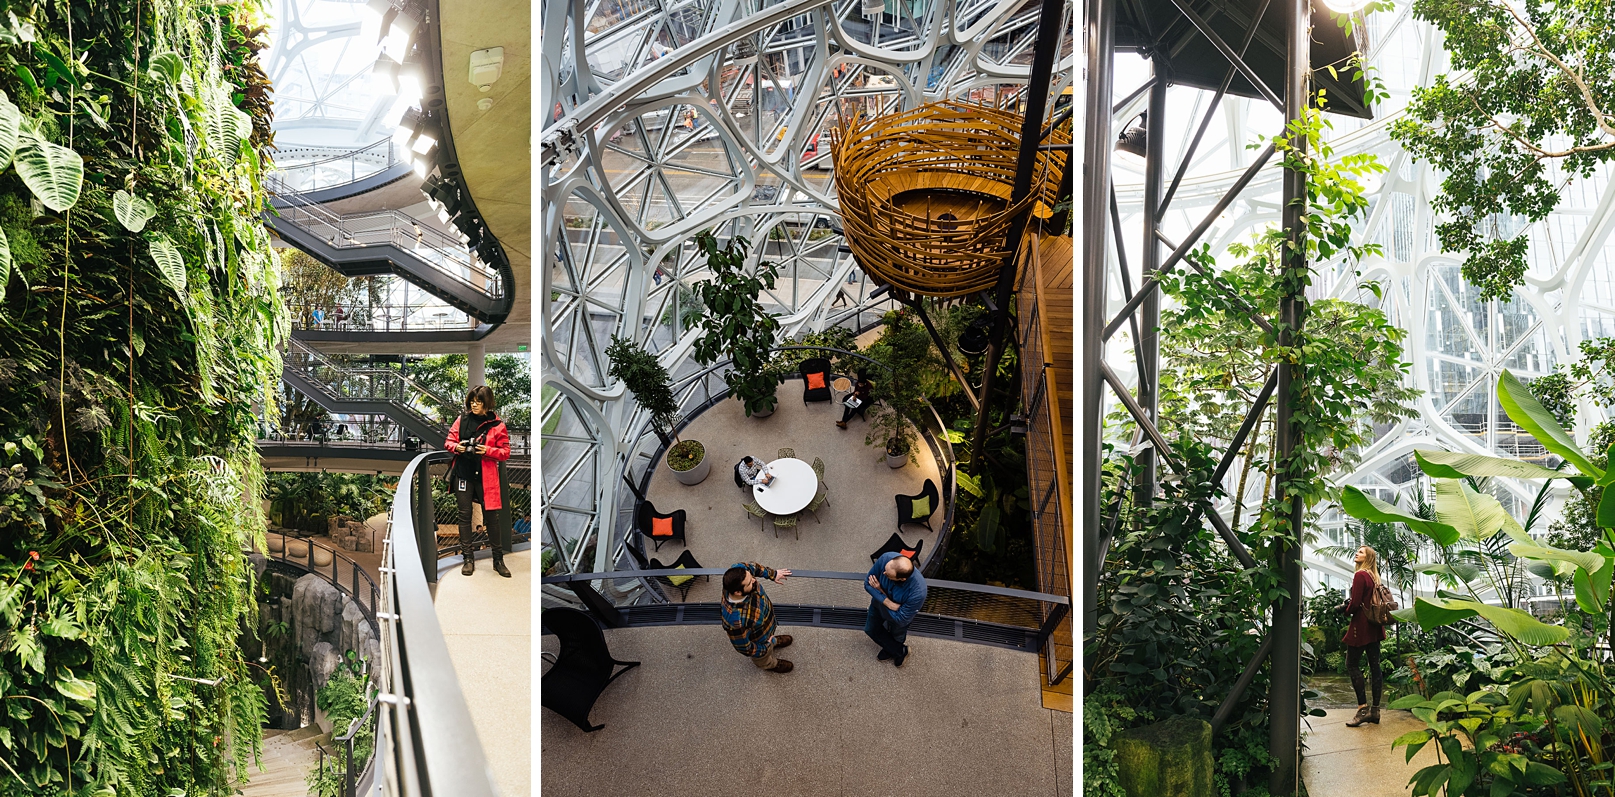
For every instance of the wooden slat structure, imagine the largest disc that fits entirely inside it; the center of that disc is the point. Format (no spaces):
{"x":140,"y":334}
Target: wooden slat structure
{"x":1045,"y":315}
{"x":897,"y":175}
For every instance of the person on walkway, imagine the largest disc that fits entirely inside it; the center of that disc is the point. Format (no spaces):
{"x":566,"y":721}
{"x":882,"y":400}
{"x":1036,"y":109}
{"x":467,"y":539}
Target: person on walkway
{"x":1363,"y":636}
{"x":898,"y":591}
{"x":748,"y":615}
{"x":751,"y":471}
{"x":858,"y":402}
{"x":480,"y":442}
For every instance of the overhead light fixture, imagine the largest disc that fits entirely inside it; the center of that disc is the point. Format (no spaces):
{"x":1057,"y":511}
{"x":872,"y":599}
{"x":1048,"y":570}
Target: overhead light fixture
{"x":424,"y":142}
{"x":386,"y":73}
{"x":1135,"y":140}
{"x":486,"y":66}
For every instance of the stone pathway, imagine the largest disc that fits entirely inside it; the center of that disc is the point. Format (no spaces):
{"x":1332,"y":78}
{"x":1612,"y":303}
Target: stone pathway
{"x":287,"y":759}
{"x":1359,"y":762}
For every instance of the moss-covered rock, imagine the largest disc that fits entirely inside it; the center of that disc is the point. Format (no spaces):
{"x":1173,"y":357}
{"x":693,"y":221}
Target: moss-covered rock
{"x":1168,"y":759}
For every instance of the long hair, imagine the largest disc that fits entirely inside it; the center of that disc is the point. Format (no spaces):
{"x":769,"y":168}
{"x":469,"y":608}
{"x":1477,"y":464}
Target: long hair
{"x":1370,"y":563}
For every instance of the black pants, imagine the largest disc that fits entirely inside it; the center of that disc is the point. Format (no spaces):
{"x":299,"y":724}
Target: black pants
{"x":848,"y":412}
{"x":1354,"y":665}
{"x":494,"y":519}
{"x":878,"y":629}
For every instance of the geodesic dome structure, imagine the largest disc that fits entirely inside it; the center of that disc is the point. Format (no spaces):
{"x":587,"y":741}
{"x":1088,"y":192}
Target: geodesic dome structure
{"x":663,"y":120}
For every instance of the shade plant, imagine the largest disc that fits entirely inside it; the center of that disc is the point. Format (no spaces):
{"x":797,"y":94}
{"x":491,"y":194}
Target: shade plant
{"x":736,"y":325}
{"x":905,"y":351}
{"x":139,"y":326}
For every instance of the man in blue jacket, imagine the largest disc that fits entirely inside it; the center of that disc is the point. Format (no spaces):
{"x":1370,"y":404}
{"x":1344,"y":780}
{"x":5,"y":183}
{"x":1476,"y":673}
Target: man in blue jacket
{"x":898,"y":592}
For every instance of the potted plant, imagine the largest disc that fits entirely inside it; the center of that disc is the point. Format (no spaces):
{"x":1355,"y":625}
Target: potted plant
{"x":905,"y":351}
{"x":643,"y":375}
{"x":736,"y":325}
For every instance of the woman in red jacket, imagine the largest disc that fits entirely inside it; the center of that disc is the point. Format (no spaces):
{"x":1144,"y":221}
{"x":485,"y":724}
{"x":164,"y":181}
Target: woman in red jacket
{"x":480,"y":443}
{"x":1363,"y":636}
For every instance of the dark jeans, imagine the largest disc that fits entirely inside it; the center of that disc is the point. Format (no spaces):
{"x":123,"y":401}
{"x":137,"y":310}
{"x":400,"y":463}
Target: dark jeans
{"x":848,"y":412}
{"x":878,"y":629}
{"x":494,"y":519}
{"x":1354,"y":665}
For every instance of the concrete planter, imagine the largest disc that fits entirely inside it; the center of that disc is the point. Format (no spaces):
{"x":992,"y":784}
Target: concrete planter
{"x":694,"y":475}
{"x":764,"y":414}
{"x":1168,"y":759}
{"x":895,"y":462}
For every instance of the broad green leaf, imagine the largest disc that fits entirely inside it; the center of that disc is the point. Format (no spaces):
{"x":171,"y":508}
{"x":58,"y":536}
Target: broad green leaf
{"x":1363,"y":506}
{"x":1585,"y":560}
{"x":1606,"y":509}
{"x":1406,"y":702}
{"x":1436,"y":612}
{"x":170,"y":264}
{"x":1462,"y":571}
{"x":53,"y":172}
{"x":1455,"y":465}
{"x":5,"y":263}
{"x":970,"y":483}
{"x":10,"y":129}
{"x":77,"y":689}
{"x":1476,"y":516}
{"x":1574,"y":718}
{"x":168,"y":66}
{"x":132,"y":211}
{"x":1539,"y":774}
{"x":1592,"y":589}
{"x":1529,"y":414}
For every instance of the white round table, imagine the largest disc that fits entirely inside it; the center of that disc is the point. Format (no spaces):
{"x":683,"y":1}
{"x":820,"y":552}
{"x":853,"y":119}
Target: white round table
{"x":792,"y":490}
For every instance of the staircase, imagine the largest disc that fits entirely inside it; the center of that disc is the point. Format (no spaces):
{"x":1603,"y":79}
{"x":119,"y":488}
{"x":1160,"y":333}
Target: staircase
{"x":361,"y":391}
{"x":287,"y":759}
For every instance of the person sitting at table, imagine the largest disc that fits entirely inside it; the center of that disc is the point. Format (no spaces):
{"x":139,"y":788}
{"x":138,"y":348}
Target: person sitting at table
{"x":857,"y":403}
{"x":752,"y":472}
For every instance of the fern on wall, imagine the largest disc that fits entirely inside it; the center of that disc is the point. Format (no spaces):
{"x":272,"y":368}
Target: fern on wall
{"x":139,"y":330}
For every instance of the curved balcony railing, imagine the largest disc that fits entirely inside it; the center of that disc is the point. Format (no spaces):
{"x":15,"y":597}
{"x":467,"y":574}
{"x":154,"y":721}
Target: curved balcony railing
{"x":304,"y":169}
{"x":349,"y":390}
{"x":376,"y":317}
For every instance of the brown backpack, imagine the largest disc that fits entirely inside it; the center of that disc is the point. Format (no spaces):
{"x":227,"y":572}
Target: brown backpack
{"x":1380,"y":604}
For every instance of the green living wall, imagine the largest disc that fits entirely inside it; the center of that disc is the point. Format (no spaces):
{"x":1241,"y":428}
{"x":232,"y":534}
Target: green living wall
{"x":138,"y":327}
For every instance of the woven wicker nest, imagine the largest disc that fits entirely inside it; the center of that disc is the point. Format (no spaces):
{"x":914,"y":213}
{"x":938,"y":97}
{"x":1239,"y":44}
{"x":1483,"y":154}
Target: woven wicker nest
{"x":925,"y":194}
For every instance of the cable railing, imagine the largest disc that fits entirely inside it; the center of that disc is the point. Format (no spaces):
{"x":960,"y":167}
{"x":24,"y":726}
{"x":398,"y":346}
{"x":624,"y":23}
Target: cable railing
{"x":304,"y":169}
{"x":517,"y":478}
{"x":444,"y":254}
{"x":977,"y":613}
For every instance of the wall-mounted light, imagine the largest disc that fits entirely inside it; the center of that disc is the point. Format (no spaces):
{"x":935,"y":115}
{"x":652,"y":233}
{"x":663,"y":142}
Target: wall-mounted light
{"x":486,"y":66}
{"x":1135,"y":141}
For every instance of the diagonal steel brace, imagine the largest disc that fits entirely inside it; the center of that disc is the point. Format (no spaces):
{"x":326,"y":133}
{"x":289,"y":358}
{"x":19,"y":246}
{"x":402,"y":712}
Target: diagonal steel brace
{"x":1228,"y":52}
{"x":1239,"y":301}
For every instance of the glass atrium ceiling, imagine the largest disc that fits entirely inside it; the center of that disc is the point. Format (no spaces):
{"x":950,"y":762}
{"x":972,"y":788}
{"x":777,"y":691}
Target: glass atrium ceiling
{"x":327,"y":93}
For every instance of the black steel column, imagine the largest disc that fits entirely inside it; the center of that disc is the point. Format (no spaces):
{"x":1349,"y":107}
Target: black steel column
{"x":1099,"y":32}
{"x":1050,"y":33}
{"x":1148,"y":347}
{"x":425,"y":523}
{"x":1284,"y":699}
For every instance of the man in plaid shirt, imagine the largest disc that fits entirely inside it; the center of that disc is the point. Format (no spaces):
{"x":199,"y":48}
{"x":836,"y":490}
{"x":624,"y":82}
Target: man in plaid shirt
{"x":748,"y":615}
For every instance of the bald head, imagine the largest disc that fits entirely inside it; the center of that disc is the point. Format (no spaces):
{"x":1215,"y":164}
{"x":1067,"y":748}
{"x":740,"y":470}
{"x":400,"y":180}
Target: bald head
{"x":899,"y":568}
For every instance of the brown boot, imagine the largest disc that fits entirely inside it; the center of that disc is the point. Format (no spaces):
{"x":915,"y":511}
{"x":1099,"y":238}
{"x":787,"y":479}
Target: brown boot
{"x":782,"y":641}
{"x":1373,"y":714}
{"x":1360,"y":718}
{"x":841,"y":424}
{"x":783,"y":667}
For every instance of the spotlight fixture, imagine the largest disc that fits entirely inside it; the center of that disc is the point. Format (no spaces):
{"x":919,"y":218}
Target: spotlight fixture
{"x":1135,"y":140}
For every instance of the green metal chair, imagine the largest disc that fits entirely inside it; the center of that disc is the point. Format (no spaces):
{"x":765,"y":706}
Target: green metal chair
{"x":818,"y":468}
{"x":787,"y":522}
{"x":787,"y":453}
{"x":819,"y":502}
{"x":758,"y":512}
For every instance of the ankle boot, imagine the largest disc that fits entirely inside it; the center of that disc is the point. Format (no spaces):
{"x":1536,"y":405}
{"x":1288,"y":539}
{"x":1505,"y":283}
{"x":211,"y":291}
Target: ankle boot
{"x":499,"y":567}
{"x":1373,"y":714}
{"x":1362,"y":717}
{"x":468,"y":551}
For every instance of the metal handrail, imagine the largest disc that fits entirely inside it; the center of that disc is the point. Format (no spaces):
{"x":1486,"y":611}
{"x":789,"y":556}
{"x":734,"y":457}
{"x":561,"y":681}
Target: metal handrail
{"x":425,"y":737}
{"x":379,"y":317}
{"x":352,"y":589}
{"x":381,"y":154}
{"x":446,"y":254}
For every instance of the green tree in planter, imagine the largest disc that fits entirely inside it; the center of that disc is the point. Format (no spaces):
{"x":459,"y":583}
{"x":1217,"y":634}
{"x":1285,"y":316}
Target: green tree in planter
{"x":643,"y":375}
{"x":1531,"y":100}
{"x":736,"y":325}
{"x":905,"y":349}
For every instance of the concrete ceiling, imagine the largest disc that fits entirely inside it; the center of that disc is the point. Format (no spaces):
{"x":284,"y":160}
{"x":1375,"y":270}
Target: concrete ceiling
{"x":494,"y":146}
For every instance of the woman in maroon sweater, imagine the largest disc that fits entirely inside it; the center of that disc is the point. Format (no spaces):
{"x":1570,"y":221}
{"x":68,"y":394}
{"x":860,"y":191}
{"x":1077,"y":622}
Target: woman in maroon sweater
{"x":1363,"y":636}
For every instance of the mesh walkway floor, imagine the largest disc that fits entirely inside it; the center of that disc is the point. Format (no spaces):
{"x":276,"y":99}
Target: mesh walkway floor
{"x":698,"y":718}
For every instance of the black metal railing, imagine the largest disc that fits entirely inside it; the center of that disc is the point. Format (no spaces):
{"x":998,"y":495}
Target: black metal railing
{"x":358,"y":383}
{"x":348,"y":576}
{"x":978,"y":613}
{"x":352,"y":773}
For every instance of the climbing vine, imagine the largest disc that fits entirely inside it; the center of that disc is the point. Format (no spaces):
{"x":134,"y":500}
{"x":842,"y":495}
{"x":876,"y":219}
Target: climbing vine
{"x":139,"y":323}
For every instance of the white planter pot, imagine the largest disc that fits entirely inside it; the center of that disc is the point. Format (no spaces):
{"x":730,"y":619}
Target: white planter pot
{"x":896,"y":462}
{"x":694,"y":475}
{"x":764,"y":414}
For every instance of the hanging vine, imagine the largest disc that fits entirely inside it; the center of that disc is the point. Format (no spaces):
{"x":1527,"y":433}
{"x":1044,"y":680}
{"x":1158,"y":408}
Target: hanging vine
{"x":139,"y":324}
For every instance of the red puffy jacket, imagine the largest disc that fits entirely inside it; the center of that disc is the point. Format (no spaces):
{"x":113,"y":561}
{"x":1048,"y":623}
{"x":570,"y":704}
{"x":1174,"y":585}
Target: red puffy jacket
{"x":497,"y":441}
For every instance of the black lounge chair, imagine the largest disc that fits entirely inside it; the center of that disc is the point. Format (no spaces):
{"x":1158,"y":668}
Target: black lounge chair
{"x":645,"y":523}
{"x":905,"y":507}
{"x":895,"y":544}
{"x":685,"y":560}
{"x":820,"y":367}
{"x":583,"y":669}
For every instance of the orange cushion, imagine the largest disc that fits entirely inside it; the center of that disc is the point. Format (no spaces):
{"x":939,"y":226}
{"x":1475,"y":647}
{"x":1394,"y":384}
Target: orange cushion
{"x":661,"y":527}
{"x":907,"y":552}
{"x":815,"y":381}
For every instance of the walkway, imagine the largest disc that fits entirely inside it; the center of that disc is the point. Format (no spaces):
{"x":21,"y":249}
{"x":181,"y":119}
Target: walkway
{"x":487,"y":624}
{"x":861,"y":514}
{"x":1359,"y":762}
{"x":287,"y":758}
{"x":956,"y":719}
